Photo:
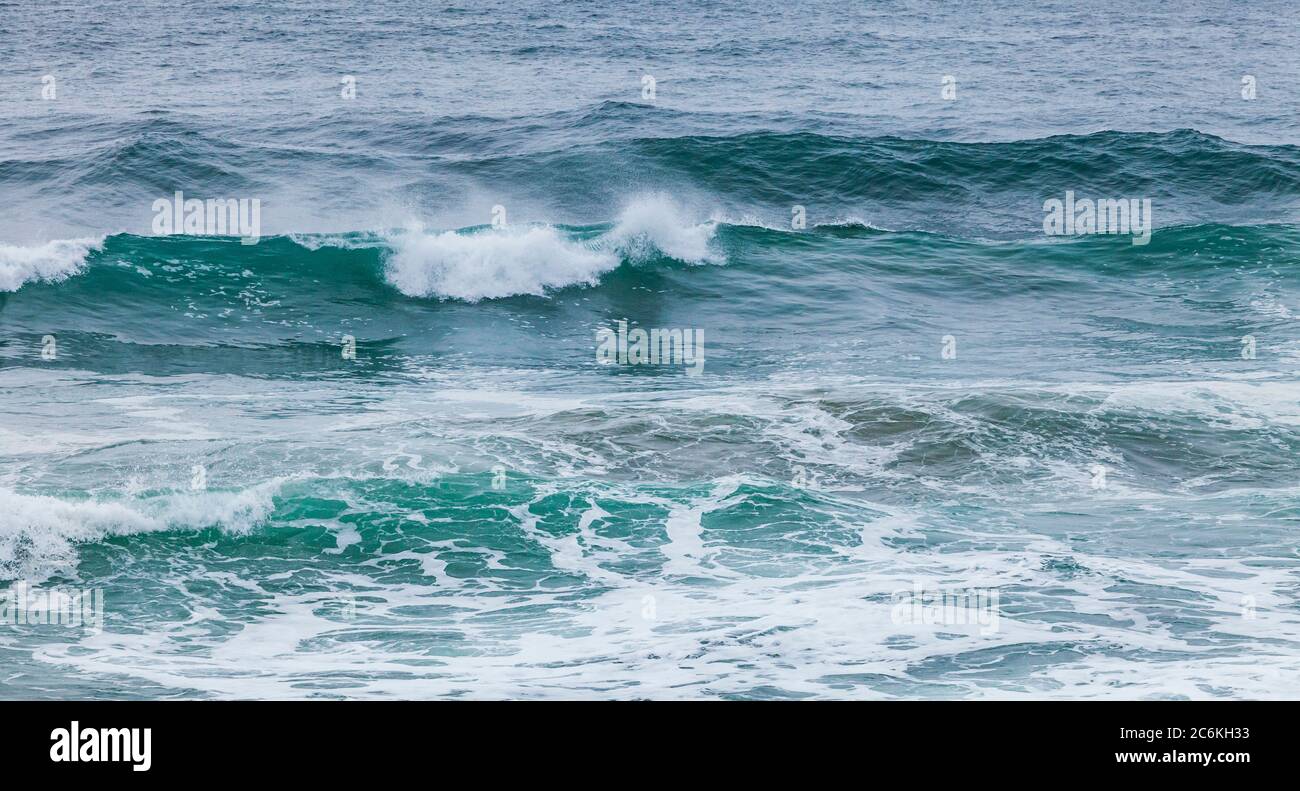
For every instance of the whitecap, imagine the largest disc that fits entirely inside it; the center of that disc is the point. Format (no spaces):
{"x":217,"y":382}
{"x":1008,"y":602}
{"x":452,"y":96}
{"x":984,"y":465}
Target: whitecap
{"x":52,"y":261}
{"x":532,"y":260}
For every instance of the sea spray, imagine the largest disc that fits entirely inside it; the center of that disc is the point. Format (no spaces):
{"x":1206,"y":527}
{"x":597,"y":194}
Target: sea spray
{"x":508,"y":260}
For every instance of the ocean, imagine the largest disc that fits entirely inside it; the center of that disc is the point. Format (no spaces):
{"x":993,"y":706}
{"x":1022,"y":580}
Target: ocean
{"x":649,"y":350}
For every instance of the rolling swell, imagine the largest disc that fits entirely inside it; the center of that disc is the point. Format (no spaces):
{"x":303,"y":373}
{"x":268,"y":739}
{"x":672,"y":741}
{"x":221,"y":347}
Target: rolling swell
{"x":938,"y":185}
{"x":413,"y":167}
{"x":369,"y":263}
{"x":533,"y":295}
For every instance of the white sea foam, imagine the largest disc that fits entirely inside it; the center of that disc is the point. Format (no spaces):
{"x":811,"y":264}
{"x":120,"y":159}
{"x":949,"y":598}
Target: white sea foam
{"x":341,"y":241}
{"x":815,"y":625}
{"x":702,"y":589}
{"x":493,"y":264}
{"x":505,"y":262}
{"x":39,"y":534}
{"x":784,"y":225}
{"x":52,"y":261}
{"x":653,"y":223}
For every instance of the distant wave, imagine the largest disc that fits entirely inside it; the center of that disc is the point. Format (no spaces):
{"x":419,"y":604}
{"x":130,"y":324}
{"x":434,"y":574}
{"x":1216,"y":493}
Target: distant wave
{"x":452,"y":169}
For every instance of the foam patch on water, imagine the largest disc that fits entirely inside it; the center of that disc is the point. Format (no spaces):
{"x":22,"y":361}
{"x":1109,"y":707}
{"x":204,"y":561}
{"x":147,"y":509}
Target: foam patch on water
{"x":52,"y":261}
{"x":688,"y":606}
{"x":532,"y":260}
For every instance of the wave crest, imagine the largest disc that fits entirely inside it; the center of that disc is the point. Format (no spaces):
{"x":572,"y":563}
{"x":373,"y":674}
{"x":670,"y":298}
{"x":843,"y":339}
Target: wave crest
{"x":506,"y":262}
{"x":52,"y":261}
{"x":39,"y":533}
{"x":492,"y":264}
{"x":654,"y":224}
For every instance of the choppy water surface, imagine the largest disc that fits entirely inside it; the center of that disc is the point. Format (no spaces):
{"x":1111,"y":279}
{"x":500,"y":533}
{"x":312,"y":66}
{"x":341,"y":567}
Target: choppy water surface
{"x":916,"y":390}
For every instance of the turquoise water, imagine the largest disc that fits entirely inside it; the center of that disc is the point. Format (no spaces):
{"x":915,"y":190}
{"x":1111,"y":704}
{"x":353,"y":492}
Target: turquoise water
{"x":375,"y":454}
